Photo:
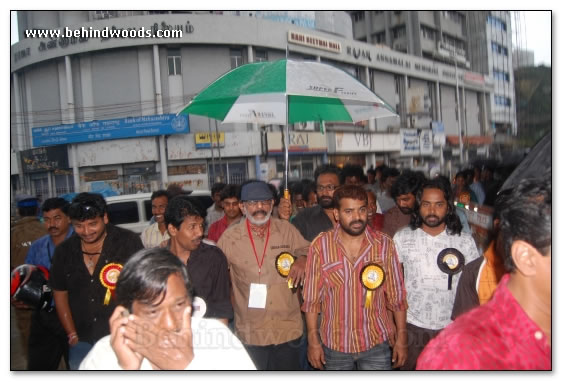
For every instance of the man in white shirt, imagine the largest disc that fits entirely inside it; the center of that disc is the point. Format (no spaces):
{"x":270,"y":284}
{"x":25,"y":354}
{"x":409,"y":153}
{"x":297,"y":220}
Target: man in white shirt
{"x":433,"y":251}
{"x":156,"y":233}
{"x":159,"y":333}
{"x":215,"y":212}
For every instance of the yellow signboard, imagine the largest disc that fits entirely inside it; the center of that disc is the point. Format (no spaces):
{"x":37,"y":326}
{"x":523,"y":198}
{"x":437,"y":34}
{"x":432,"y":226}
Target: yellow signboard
{"x":205,"y":140}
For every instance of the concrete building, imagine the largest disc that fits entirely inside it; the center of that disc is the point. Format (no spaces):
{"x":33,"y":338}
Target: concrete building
{"x":118,"y":96}
{"x":522,"y":58}
{"x":479,"y":41}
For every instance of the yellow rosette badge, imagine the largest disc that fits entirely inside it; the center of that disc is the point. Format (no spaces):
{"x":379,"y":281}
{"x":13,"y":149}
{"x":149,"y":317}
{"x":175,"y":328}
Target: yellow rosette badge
{"x":283,"y":263}
{"x":450,"y":261}
{"x":372,"y":277}
{"x":108,"y":277}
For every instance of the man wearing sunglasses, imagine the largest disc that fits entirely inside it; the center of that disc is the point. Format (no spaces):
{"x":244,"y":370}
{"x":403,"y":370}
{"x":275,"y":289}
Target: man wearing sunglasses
{"x":84,"y":272}
{"x":267,"y":314}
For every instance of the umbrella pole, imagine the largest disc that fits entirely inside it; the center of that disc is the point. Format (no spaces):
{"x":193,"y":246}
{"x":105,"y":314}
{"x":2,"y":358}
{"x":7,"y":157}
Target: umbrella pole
{"x":286,"y":146}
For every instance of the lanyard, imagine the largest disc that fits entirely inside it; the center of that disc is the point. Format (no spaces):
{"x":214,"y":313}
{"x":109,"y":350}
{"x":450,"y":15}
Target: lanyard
{"x":254,"y":247}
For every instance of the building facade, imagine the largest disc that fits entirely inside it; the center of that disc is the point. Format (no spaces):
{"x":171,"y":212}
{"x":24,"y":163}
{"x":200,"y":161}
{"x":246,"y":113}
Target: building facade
{"x":89,"y":85}
{"x":479,"y":41}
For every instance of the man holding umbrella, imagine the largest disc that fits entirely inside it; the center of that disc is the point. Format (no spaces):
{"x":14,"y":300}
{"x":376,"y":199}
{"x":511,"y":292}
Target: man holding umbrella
{"x":266,"y":258}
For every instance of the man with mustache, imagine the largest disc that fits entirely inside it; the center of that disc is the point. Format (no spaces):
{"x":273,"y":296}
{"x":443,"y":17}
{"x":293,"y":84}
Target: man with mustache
{"x":267,"y":315}
{"x":80,"y":270}
{"x":352,"y":277}
{"x":47,"y":339}
{"x":403,"y":192}
{"x":320,"y":218}
{"x":433,"y":251}
{"x":156,"y":233}
{"x":207,"y":265}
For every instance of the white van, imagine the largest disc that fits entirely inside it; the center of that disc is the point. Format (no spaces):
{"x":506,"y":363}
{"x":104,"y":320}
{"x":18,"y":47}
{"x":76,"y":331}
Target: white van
{"x":134,"y":211}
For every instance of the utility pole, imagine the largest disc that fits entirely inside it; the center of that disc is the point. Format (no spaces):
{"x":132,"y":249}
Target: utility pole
{"x":454,"y":54}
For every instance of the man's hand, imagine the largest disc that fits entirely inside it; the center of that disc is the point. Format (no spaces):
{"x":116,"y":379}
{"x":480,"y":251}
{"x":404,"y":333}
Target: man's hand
{"x":127,"y":358}
{"x":284,"y":209}
{"x":165,"y":349}
{"x":297,"y":271}
{"x":399,"y":350}
{"x":316,"y":355}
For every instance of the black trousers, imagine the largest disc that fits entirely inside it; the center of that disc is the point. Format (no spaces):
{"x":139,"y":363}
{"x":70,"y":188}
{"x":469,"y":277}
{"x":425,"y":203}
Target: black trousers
{"x":284,"y":356}
{"x":417,"y":339}
{"x":47,"y":341}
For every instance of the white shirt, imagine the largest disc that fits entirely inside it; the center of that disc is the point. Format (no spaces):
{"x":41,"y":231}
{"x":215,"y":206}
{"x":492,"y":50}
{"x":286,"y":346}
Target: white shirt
{"x":212,"y":216}
{"x":152,"y":237}
{"x":430,"y":301}
{"x":215,"y":348}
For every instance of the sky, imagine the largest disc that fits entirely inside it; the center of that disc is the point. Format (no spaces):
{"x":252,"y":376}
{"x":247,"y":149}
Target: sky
{"x":534,"y":26}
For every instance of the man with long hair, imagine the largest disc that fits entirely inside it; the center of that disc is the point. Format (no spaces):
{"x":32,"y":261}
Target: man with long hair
{"x":433,"y":251}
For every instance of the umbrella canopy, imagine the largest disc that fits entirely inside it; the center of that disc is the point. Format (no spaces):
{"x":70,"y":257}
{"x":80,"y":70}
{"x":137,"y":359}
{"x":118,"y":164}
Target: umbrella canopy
{"x":286,"y":91}
{"x":535,"y":165}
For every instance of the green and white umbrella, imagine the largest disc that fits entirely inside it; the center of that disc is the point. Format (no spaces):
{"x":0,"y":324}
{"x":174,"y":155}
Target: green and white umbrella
{"x":284,"y":92}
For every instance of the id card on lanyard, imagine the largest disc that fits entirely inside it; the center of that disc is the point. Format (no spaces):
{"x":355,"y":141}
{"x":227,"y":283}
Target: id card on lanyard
{"x":258,"y":292}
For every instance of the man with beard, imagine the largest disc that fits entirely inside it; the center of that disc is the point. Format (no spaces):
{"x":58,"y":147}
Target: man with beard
{"x":207,"y":265}
{"x":47,"y":339}
{"x":156,"y":233}
{"x":433,"y":251}
{"x":267,"y":315}
{"x":320,"y":218}
{"x":403,"y":192}
{"x":352,"y":277}
{"x":85,"y":268}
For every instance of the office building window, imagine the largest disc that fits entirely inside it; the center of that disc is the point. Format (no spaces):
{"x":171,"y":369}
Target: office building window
{"x":502,"y":101}
{"x":358,"y":16}
{"x":456,"y":17}
{"x":399,"y":32}
{"x":499,"y":49}
{"x":428,"y":33}
{"x":501,"y":76}
{"x":236,"y":58}
{"x":496,"y":23}
{"x":174,"y":62}
{"x":380,"y":38}
{"x":260,"y":56}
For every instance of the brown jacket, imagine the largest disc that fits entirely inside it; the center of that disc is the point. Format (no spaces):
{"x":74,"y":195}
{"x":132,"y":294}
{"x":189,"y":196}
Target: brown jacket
{"x":394,"y":220}
{"x":280,"y":321}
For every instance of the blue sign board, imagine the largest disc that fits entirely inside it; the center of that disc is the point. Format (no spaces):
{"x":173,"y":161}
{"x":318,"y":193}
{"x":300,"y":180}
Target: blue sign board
{"x":131,"y":127}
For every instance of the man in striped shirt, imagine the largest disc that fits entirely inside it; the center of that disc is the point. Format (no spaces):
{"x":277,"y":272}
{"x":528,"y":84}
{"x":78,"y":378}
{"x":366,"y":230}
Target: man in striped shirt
{"x":352,"y":276}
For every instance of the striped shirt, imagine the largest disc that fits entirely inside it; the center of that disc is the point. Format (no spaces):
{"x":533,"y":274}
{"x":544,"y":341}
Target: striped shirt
{"x":152,"y":237}
{"x":333,"y":287}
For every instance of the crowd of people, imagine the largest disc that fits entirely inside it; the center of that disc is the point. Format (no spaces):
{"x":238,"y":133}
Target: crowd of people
{"x":354,"y":271}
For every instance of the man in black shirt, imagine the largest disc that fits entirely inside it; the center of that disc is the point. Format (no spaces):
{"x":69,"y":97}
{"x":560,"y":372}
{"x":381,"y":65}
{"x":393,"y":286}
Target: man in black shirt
{"x":84,"y":271}
{"x":207,"y":265}
{"x":320,"y":218}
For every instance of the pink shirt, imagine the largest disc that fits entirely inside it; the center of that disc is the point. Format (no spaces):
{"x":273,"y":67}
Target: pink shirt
{"x":496,"y":336}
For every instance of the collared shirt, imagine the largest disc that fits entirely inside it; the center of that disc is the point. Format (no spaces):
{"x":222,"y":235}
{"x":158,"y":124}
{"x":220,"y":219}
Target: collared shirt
{"x":22,"y":233}
{"x":312,"y":221}
{"x":333,"y":287}
{"x":430,"y":300}
{"x":42,"y":250}
{"x":214,"y":346}
{"x":152,"y":237}
{"x":217,"y":228}
{"x":395,"y":220}
{"x":280,"y":321}
{"x":85,"y":292}
{"x":209,"y":275}
{"x":496,"y":336}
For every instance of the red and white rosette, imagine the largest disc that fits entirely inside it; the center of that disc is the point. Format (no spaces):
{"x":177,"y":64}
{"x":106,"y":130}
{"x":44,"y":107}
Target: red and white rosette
{"x":108,"y":277}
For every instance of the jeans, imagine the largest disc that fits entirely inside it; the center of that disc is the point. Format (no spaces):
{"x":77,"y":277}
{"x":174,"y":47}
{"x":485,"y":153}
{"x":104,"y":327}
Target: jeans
{"x":376,"y":358}
{"x":77,"y":353}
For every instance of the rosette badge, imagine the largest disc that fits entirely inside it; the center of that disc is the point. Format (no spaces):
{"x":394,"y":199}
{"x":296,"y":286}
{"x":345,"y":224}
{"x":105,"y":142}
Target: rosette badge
{"x":371,"y":277}
{"x":283,"y":263}
{"x":450,"y":261}
{"x":108,"y":277}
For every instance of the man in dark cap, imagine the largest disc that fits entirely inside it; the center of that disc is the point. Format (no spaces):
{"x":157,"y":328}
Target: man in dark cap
{"x":267,"y":314}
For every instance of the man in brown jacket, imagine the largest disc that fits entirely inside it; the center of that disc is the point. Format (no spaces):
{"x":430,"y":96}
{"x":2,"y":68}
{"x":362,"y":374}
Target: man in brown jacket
{"x":403,"y":192}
